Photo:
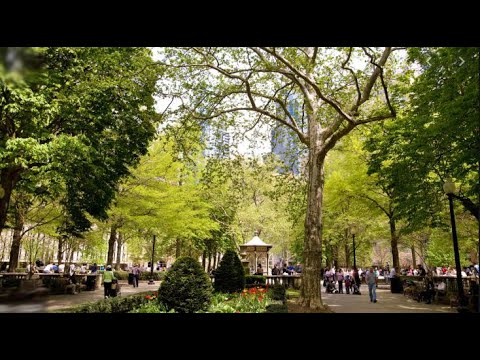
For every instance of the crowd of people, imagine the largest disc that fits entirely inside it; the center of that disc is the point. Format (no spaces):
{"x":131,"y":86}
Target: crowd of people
{"x":54,"y":268}
{"x":471,"y":270}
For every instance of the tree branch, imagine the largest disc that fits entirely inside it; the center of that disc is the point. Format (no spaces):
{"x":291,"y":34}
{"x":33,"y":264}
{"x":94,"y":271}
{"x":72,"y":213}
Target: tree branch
{"x":469,"y":205}
{"x":310,"y":82}
{"x":377,"y":204}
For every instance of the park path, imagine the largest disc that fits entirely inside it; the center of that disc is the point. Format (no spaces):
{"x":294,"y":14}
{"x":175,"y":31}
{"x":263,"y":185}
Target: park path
{"x":339,"y":303}
{"x":386,"y":303}
{"x":51,"y":303}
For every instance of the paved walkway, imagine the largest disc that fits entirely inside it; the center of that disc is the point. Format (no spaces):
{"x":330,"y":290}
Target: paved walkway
{"x":386,"y":303}
{"x":339,"y":303}
{"x":54,"y":302}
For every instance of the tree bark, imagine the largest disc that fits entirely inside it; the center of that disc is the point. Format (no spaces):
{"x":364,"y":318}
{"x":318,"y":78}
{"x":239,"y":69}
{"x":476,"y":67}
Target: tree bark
{"x":61,"y":241}
{"x":111,"y":243}
{"x":414,"y":256}
{"x":215,"y":258}
{"x":347,"y":250}
{"x":335,"y":256}
{"x":394,"y":244}
{"x":70,"y":256}
{"x":119,"y":251}
{"x":204,"y":256}
{"x":209,"y":266}
{"x":8,"y":179}
{"x":310,"y":291}
{"x":17,"y":238}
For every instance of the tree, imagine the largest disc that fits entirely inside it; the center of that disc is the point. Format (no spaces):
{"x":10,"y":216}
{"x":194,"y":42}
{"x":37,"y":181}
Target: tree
{"x":152,"y":199}
{"x":435,"y":136}
{"x":229,"y":276}
{"x":186,"y":288}
{"x":82,"y":114}
{"x":217,"y":84}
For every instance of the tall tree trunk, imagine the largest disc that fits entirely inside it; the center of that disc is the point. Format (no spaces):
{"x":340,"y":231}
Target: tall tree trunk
{"x":17,"y":238}
{"x":44,"y":249}
{"x":70,"y":256}
{"x":61,"y":242}
{"x":394,"y":244}
{"x":204,"y":255}
{"x":414,"y":256}
{"x":335,"y":256}
{"x":4,"y":245}
{"x":216,"y":257}
{"x":8,"y":179}
{"x":178,"y":247}
{"x":347,"y":250}
{"x":119,"y":251}
{"x":310,"y":290}
{"x":111,"y":243}
{"x":209,"y":265}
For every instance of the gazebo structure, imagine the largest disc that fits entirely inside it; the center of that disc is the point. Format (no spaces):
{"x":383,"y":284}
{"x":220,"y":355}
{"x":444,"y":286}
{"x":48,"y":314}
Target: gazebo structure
{"x":256,"y":251}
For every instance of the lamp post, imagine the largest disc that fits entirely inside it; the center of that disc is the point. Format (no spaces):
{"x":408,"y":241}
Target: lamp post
{"x":449,"y":189}
{"x":151,"y":282}
{"x":353,"y":231}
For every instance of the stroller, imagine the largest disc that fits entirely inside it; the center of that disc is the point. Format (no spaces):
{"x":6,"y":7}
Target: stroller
{"x":356,"y":290}
{"x":115,"y":291}
{"x":331,"y":289}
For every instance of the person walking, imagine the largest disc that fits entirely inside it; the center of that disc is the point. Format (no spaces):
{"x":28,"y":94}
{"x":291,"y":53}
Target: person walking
{"x":136,"y":275}
{"x":339,"y":276}
{"x":108,"y":277}
{"x":372,"y":281}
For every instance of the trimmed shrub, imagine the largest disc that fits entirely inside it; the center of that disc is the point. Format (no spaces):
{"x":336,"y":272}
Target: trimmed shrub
{"x":21,"y":270}
{"x":111,"y":305}
{"x":276,"y":308}
{"x":278,"y":292}
{"x":11,"y":283}
{"x":121,"y":275}
{"x":157,"y":275}
{"x":255,"y":280}
{"x":229,"y":276}
{"x":186,"y":288}
{"x":56,"y":285}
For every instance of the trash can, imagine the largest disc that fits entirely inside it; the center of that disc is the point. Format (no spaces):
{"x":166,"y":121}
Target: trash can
{"x":130,"y":279}
{"x":396,"y":286}
{"x":91,"y":283}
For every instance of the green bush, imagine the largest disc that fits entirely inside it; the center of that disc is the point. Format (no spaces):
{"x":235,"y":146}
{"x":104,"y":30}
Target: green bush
{"x":121,"y":275}
{"x":229,"y":276}
{"x":278,"y":292}
{"x":112,"y":305}
{"x":186,"y":288}
{"x":255,"y":280}
{"x":157,"y":275}
{"x":11,"y":283}
{"x":21,"y":270}
{"x":55,"y":285}
{"x":276,"y":308}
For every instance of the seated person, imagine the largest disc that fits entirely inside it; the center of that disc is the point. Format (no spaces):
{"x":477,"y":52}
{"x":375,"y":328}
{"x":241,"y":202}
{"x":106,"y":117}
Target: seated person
{"x":48,"y":268}
{"x":276,"y":270}
{"x":259,"y":270}
{"x":94,"y":268}
{"x":285,"y":270}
